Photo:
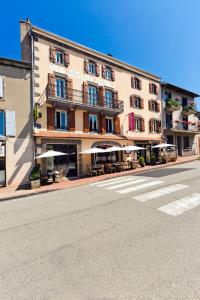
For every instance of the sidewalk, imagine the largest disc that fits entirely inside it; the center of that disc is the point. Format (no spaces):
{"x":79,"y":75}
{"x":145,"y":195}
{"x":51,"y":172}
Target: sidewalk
{"x":13,"y":192}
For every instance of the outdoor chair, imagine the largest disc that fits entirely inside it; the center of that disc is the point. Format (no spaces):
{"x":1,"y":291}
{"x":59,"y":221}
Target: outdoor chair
{"x":91,"y":171}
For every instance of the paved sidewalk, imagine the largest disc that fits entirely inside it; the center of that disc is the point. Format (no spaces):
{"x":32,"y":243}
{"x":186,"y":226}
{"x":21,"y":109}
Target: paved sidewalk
{"x":13,"y":192}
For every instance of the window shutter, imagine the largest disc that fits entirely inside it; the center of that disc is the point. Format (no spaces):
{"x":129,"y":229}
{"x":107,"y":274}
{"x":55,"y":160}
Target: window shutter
{"x":66,"y":59}
{"x":150,"y":88}
{"x":101,"y":95}
{"x":115,"y":99}
{"x":158,"y":107}
{"x":102,"y":124}
{"x":117,"y":129}
{"x":140,"y":85}
{"x":131,"y":121}
{"x":104,"y":71}
{"x":51,"y":85}
{"x":53,"y":54}
{"x":85,"y":121}
{"x":85,"y":92}
{"x":142,"y":124}
{"x":71,"y":120}
{"x":97,"y":70}
{"x":156,"y":89}
{"x":112,"y":74}
{"x":1,"y":87}
{"x":150,"y":105}
{"x":159,"y":126}
{"x":142,"y":103}
{"x":10,"y":123}
{"x":150,"y":125}
{"x":132,"y":82}
{"x":86,"y":65}
{"x":69,"y":85}
{"x":50,"y":118}
{"x":131,"y":101}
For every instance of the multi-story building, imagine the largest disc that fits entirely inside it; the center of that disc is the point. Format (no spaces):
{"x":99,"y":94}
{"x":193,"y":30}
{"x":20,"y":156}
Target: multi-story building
{"x":88,"y":99}
{"x":16,"y":134}
{"x":180,"y":119}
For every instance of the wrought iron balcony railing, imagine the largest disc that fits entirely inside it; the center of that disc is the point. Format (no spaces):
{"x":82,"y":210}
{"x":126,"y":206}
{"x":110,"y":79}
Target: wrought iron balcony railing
{"x":70,"y":97}
{"x":181,"y":125}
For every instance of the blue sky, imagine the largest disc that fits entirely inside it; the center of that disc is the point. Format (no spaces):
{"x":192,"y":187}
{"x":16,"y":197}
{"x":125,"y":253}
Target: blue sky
{"x":162,"y":37}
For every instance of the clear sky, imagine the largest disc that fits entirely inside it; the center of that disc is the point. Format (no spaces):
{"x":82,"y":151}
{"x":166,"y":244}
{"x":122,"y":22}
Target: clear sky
{"x":160,"y":36}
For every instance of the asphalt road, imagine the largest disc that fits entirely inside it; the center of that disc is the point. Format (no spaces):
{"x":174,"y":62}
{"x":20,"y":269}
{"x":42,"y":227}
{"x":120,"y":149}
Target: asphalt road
{"x":135,"y":237}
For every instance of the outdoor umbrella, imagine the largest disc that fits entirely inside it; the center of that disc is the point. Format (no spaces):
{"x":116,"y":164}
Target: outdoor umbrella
{"x":163,"y":146}
{"x":113,"y":149}
{"x":93,"y":151}
{"x":132,"y":148}
{"x":51,"y":153}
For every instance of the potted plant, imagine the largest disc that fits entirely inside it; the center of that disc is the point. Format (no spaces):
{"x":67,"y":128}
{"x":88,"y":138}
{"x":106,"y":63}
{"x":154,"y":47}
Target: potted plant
{"x":153,"y":159}
{"x":34,"y":177}
{"x":141,"y":161}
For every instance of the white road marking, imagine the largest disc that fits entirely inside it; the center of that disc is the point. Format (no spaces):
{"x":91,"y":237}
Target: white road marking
{"x":116,"y":186}
{"x":180,"y":206}
{"x":160,"y":192}
{"x":109,"y":182}
{"x":139,"y":187}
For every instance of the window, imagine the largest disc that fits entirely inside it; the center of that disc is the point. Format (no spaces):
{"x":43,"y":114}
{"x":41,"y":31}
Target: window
{"x":93,"y":123}
{"x":109,"y":125}
{"x":108,"y":98}
{"x":2,"y":123}
{"x":137,"y":124}
{"x":60,"y":57}
{"x":184,"y":102}
{"x":91,"y":68}
{"x":153,"y":88}
{"x":153,"y":106}
{"x":136,"y":84}
{"x":108,"y":73}
{"x":169,"y":122}
{"x":60,"y":87}
{"x":61,"y":120}
{"x":155,"y":126}
{"x":137,"y":102}
{"x":1,"y":87}
{"x":185,"y":122}
{"x":92,"y":95}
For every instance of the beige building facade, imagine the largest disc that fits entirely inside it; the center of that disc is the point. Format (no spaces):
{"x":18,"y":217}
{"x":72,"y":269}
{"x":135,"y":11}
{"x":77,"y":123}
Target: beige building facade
{"x":16,"y":134}
{"x":84,"y":98}
{"x":180,"y":119}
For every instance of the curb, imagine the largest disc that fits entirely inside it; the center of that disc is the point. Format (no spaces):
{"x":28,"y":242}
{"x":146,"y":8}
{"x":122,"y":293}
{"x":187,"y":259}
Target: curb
{"x":82,"y":184}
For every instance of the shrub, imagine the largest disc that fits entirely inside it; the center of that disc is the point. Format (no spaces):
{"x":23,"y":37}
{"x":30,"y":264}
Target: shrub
{"x":35,"y":173}
{"x":153,"y":159}
{"x":141,"y":161}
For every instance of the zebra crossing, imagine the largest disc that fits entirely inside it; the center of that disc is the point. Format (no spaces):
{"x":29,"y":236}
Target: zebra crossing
{"x":133,"y":184}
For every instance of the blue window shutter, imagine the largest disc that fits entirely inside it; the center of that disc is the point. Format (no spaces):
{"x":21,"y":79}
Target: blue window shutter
{"x":10,"y":123}
{"x":2,"y":124}
{"x":63,"y":120}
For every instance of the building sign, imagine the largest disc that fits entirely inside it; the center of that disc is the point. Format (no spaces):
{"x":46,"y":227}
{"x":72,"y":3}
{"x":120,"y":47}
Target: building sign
{"x":82,"y":77}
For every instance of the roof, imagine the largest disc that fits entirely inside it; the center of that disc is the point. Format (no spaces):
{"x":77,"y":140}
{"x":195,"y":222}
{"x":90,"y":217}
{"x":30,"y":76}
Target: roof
{"x":88,"y":51}
{"x":179,"y":89}
{"x":14,"y":63}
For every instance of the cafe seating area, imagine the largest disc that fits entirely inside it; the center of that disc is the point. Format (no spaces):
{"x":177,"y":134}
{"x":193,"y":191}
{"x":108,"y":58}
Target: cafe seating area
{"x":109,"y":168}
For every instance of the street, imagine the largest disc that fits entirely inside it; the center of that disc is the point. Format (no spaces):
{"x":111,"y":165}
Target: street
{"x":132,"y":237}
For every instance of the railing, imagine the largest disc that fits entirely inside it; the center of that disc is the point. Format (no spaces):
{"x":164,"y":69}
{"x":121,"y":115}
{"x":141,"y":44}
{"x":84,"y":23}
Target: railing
{"x":183,"y":126}
{"x":66,"y":95}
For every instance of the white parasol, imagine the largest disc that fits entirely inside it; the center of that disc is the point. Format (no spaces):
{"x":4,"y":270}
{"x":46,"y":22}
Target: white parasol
{"x":163,"y":146}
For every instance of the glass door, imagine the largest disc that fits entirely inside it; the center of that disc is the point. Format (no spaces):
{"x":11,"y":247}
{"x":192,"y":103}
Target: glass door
{"x":92,"y":95}
{"x":60,"y":88}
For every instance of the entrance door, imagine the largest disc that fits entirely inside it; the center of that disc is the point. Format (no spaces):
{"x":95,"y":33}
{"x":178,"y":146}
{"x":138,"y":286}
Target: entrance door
{"x":68,"y":163}
{"x":179,"y":144}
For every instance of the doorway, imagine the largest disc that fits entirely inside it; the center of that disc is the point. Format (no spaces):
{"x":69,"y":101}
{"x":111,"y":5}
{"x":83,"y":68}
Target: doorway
{"x":68,"y":163}
{"x":179,"y":145}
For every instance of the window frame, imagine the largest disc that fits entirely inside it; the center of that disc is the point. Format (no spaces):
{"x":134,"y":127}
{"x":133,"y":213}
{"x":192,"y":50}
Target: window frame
{"x":108,"y":69}
{"x":110,"y":103}
{"x":137,"y":124}
{"x":112,"y":125}
{"x":91,"y":63}
{"x":97,"y":127}
{"x":155,"y":126}
{"x":61,"y":88}
{"x":60,"y":112}
{"x":61,"y":54}
{"x":154,"y":89}
{"x":137,"y":99}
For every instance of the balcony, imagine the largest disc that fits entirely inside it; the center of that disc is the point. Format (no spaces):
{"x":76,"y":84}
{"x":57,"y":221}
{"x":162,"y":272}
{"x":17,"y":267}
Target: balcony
{"x":69,"y":98}
{"x":182,"y":126}
{"x":172,"y":105}
{"x":188,"y":110}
